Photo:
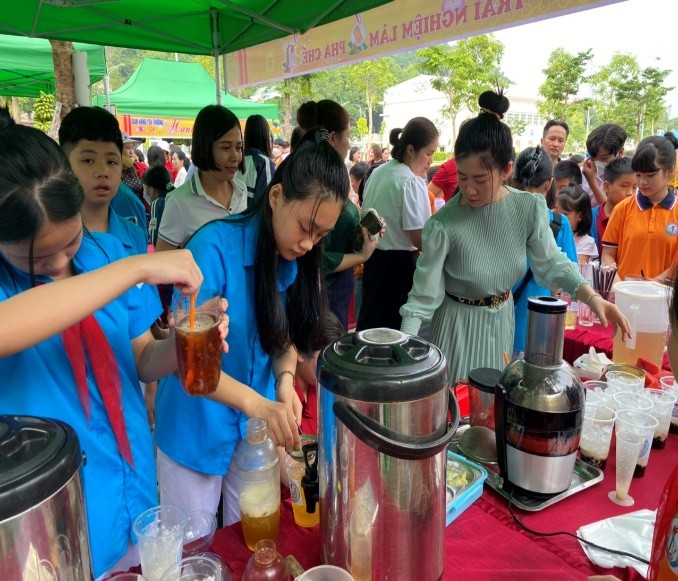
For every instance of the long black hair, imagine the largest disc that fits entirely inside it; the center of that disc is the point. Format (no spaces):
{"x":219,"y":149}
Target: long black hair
{"x":313,"y":170}
{"x":36,"y":183}
{"x":258,"y":134}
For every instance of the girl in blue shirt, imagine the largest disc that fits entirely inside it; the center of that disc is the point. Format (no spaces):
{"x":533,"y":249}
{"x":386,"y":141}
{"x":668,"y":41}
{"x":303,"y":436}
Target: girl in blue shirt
{"x":58,"y":360}
{"x":533,"y":172}
{"x":267,"y":264}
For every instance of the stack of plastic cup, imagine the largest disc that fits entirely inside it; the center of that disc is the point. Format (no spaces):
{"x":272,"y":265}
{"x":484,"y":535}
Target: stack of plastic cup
{"x":662,"y":409}
{"x":644,"y":425}
{"x":669,"y":384}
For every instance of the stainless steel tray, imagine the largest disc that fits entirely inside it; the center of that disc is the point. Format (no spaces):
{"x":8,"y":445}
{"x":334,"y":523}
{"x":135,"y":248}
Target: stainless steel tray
{"x":584,"y":476}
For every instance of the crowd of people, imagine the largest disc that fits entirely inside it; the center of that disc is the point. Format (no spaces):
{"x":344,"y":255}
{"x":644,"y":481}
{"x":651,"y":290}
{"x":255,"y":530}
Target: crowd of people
{"x":261,"y":222}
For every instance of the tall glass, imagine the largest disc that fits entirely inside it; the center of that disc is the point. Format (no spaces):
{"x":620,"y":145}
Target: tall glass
{"x":160,"y":531}
{"x":198,"y":347}
{"x":596,"y":434}
{"x":663,"y":403}
{"x":585,"y":312}
{"x":628,"y":449}
{"x":644,"y":425}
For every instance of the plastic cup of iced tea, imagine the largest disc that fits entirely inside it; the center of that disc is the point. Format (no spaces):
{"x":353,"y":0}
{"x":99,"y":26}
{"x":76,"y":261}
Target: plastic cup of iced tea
{"x":198,"y":342}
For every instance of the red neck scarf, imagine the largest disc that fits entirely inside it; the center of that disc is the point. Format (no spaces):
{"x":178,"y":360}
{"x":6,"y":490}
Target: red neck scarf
{"x":87,"y":334}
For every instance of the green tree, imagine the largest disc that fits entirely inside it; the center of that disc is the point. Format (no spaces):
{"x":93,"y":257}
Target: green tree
{"x":464,"y":71}
{"x":564,"y":74}
{"x":372,"y":78}
{"x":631,"y":96}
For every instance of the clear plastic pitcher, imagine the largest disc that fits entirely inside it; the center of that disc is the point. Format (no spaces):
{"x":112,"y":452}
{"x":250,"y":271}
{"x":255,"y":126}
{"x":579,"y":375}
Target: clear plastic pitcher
{"x":646,"y":304}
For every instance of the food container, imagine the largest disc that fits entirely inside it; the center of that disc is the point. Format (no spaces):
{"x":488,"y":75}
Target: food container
{"x":464,"y":485}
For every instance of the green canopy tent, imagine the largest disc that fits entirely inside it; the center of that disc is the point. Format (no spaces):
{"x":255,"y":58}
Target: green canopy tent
{"x":26,"y":66}
{"x":176,"y":89}
{"x":212,"y":27}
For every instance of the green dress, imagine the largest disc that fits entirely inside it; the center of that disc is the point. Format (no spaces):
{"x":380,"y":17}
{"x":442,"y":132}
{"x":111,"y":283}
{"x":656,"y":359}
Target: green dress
{"x":473,"y":253}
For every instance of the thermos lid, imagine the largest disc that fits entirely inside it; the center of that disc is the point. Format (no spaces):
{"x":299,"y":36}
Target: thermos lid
{"x":37,"y":457}
{"x":546,"y":305}
{"x":382,"y":365}
{"x":484,"y":378}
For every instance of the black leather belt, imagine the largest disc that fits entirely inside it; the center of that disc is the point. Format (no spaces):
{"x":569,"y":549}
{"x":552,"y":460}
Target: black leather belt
{"x":493,"y":301}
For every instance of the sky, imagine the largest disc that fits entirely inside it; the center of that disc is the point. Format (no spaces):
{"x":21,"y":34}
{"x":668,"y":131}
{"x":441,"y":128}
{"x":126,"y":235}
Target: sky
{"x":646,"y":29}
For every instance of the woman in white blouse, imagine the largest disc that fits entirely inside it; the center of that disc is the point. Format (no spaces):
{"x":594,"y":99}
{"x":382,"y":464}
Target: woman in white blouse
{"x":398,"y":193}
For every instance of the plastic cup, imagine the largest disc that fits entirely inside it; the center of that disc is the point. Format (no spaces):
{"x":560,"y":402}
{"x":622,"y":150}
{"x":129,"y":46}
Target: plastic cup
{"x":629,"y":400}
{"x":295,"y":472}
{"x":160,"y":531}
{"x":198,"y":348}
{"x":669,"y":384}
{"x":628,"y":449}
{"x":632,"y":369}
{"x":623,"y":381}
{"x":592,"y":398}
{"x":199,"y":532}
{"x":600,"y":389}
{"x":206,"y":567}
{"x":127,"y":577}
{"x":325,"y":573}
{"x":644,"y":425}
{"x":663,"y":403}
{"x":596,"y":434}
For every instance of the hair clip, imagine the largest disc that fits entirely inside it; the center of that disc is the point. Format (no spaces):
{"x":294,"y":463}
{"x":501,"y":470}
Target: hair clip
{"x":486,"y":110}
{"x":322,"y":135}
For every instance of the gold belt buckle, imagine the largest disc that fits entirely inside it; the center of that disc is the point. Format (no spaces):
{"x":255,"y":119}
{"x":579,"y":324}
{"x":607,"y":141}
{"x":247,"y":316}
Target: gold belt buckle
{"x":495,"y":303}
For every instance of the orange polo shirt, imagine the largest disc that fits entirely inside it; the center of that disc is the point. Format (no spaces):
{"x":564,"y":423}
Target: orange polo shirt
{"x":644,"y":234}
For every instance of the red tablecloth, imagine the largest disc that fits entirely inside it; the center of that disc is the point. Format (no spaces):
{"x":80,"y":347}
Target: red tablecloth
{"x":578,"y":341}
{"x":484,"y":543}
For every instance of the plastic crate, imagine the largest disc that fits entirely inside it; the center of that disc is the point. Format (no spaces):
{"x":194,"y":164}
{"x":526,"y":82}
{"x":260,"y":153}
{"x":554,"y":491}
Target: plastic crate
{"x":464,"y":495}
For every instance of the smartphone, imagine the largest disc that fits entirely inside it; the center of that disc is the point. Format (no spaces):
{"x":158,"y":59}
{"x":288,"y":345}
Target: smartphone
{"x":372,"y":223}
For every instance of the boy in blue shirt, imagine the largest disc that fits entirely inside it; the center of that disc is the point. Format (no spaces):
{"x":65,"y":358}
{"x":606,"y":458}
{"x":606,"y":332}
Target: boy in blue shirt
{"x":92,"y":140}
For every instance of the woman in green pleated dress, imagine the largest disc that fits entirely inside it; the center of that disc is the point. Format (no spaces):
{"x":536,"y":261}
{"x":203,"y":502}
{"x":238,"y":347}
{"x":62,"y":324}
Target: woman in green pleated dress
{"x":475,"y":249}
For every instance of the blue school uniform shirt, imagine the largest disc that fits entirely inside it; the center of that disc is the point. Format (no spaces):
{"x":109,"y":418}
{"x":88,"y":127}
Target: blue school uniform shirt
{"x":39,"y":382}
{"x":127,"y":205}
{"x":565,"y":241}
{"x":133,"y":237}
{"x":194,"y":431}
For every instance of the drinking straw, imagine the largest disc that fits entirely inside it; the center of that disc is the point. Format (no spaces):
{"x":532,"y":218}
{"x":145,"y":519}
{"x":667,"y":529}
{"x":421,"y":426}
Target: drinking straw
{"x":191,"y":313}
{"x":506,"y":359}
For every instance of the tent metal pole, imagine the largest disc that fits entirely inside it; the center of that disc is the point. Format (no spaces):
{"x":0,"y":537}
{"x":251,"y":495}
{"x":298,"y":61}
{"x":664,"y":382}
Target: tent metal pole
{"x":217,"y":74}
{"x":107,"y":92}
{"x":215,"y":29}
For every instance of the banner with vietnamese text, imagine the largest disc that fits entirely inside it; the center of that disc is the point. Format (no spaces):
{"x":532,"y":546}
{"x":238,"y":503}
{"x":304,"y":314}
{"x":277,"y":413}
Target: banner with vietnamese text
{"x":395,"y":27}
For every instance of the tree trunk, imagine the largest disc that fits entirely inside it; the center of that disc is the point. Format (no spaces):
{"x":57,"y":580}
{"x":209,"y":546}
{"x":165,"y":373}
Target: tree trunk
{"x":63,"y":76}
{"x":287,"y":99}
{"x":368,"y":98}
{"x":16,"y":110}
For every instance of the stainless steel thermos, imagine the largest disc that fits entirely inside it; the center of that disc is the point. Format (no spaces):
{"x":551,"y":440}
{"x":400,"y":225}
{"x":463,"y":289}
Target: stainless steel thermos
{"x":43,"y":524}
{"x":383,"y":432}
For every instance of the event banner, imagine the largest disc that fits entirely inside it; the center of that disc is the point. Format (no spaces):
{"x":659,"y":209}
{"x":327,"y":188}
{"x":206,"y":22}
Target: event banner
{"x":152,"y":127}
{"x":395,"y":27}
